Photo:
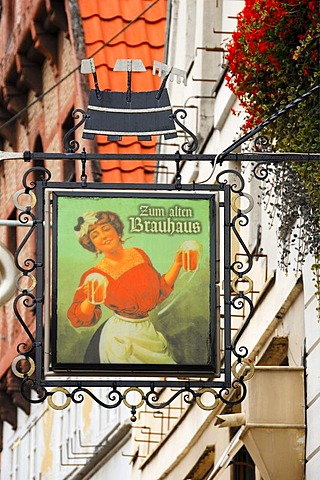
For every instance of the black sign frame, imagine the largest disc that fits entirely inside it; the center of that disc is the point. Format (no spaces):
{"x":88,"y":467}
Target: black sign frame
{"x":156,"y":220}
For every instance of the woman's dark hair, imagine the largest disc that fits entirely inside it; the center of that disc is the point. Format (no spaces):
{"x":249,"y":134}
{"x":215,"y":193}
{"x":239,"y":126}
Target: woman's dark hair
{"x":102,"y":217}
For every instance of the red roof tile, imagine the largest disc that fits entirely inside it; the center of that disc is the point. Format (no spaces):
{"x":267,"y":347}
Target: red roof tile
{"x":125,"y":9}
{"x":105,"y":22}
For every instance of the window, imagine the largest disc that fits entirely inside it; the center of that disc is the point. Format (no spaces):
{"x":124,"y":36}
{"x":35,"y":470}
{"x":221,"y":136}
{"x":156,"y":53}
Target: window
{"x":242,"y":466}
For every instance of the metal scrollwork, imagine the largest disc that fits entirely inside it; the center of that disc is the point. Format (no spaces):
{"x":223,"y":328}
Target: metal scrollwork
{"x":189,"y":146}
{"x":241,"y":284}
{"x":44,"y":177}
{"x":27,"y":386}
{"x":262,"y":144}
{"x":238,"y":266}
{"x":202,"y":405}
{"x":24,"y":349}
{"x":244,"y":279}
{"x":242,"y":353}
{"x":236,"y":208}
{"x":228,"y":385}
{"x":32,"y":197}
{"x":29,"y":275}
{"x":260,"y":171}
{"x":28,"y":301}
{"x":25,"y":280}
{"x":56,"y":406}
{"x":238,"y":303}
{"x":206,"y":394}
{"x":152,"y":398}
{"x":29,"y":264}
{"x":115,"y":396}
{"x":72,"y":146}
{"x":133,"y":407}
{"x":225,"y":393}
{"x":24,"y":358}
{"x":238,"y":182}
{"x":207,"y":398}
{"x":243,"y":369}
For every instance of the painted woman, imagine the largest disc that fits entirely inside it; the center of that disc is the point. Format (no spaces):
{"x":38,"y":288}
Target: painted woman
{"x":126,"y":282}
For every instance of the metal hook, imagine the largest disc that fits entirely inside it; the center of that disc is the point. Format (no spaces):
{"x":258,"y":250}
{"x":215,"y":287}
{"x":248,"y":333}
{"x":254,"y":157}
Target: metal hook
{"x":83,"y":171}
{"x":178,"y":174}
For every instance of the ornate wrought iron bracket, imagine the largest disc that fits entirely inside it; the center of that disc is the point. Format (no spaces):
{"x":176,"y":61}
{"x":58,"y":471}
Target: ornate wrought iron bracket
{"x":237,"y":367}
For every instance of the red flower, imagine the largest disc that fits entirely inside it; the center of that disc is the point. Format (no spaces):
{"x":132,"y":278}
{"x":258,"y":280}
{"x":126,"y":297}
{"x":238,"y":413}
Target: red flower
{"x":272,"y":44}
{"x":263,"y":47}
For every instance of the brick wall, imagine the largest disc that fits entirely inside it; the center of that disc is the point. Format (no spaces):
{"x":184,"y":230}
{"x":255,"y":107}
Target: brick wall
{"x":51,"y":56}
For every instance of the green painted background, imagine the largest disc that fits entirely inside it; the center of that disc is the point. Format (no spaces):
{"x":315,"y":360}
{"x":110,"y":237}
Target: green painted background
{"x":184,"y":316}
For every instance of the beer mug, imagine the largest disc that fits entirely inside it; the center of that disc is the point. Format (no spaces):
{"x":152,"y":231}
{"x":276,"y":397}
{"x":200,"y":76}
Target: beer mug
{"x":191,"y":251}
{"x":97,"y":288}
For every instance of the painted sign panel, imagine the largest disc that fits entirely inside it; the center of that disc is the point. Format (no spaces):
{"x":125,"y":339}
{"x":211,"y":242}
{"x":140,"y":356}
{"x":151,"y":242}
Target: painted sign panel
{"x":134,"y":283}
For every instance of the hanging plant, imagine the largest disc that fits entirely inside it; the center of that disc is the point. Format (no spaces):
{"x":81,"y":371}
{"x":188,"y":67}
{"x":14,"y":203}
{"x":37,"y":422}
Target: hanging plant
{"x":273,"y":58}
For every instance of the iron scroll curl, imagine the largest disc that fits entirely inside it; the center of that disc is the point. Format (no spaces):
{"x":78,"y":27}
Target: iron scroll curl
{"x":29,"y":301}
{"x":72,"y":146}
{"x":238,"y":182}
{"x":188,"y":146}
{"x":45,"y":177}
{"x":260,"y":171}
{"x":115,"y":397}
{"x":28,"y":385}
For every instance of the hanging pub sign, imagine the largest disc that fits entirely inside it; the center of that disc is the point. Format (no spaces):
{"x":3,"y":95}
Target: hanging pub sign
{"x":133,"y":282}
{"x":125,"y":284}
{"x":126,"y":288}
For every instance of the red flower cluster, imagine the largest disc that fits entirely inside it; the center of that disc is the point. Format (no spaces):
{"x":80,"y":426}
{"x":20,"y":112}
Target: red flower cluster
{"x":276,"y":45}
